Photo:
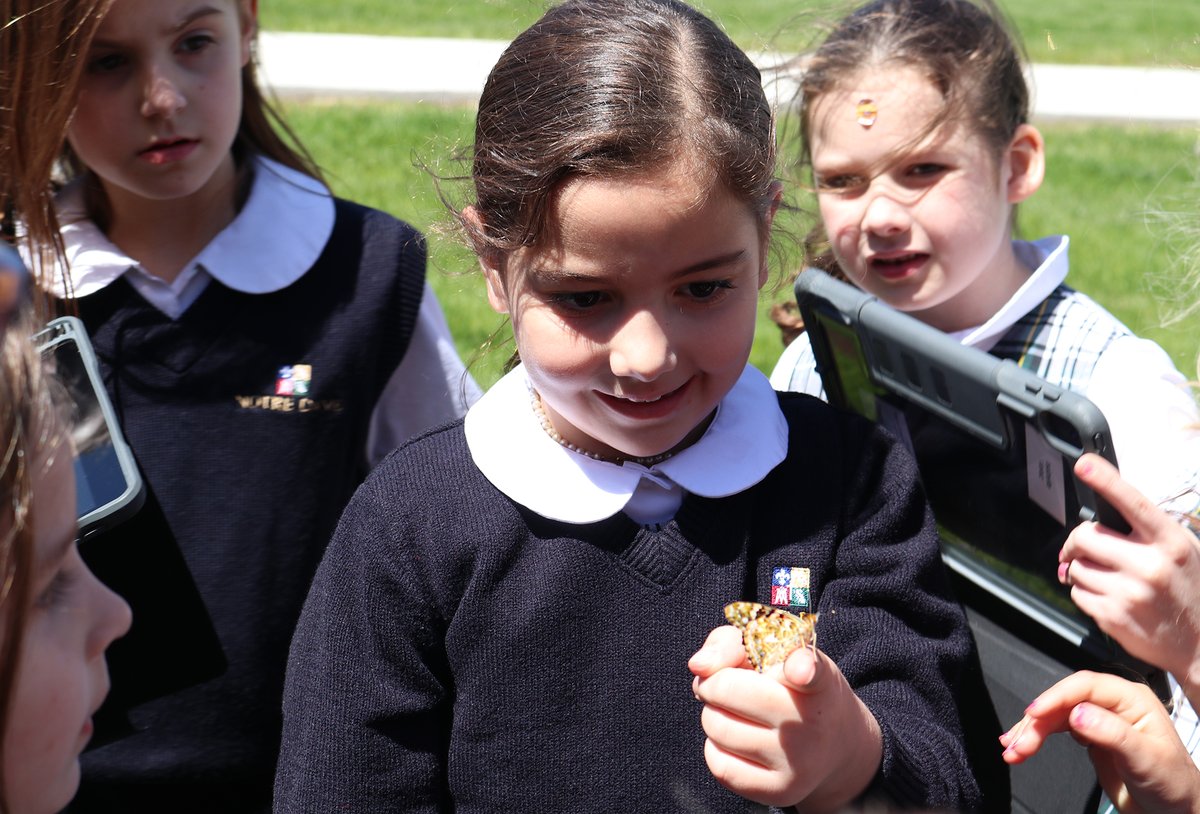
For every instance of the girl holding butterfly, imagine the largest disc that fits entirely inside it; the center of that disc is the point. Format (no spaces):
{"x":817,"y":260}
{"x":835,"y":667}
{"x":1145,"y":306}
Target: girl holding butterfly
{"x":504,"y":618}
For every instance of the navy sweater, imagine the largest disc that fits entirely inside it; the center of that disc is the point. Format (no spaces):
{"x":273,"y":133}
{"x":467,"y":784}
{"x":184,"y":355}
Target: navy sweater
{"x":250,"y":482}
{"x":458,"y":652}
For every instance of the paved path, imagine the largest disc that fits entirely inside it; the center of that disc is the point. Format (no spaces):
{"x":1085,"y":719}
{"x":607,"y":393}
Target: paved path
{"x":454,"y":70}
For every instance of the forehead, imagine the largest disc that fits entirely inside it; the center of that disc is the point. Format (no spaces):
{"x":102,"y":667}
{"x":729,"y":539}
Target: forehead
{"x":128,"y":17}
{"x":900,"y":102}
{"x":53,"y":507}
{"x":659,"y":217}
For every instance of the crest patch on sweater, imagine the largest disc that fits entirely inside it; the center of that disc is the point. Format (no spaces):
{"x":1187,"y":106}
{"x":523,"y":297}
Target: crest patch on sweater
{"x":292,"y":393}
{"x":293,"y":380}
{"x":769,"y":634}
{"x":790,"y":588}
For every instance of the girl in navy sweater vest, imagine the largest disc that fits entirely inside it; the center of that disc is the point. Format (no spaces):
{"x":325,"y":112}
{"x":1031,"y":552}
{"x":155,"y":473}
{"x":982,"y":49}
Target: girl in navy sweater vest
{"x":504,"y":619}
{"x":263,"y":341}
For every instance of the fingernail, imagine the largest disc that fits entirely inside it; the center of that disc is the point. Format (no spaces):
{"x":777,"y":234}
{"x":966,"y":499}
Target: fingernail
{"x":1084,"y":467}
{"x":1064,"y":569}
{"x":1019,"y":732}
{"x":1081,"y":716}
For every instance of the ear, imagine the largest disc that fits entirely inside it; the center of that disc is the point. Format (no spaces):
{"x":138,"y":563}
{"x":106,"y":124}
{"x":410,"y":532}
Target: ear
{"x":248,"y":17}
{"x":490,"y":265}
{"x":1026,"y":158}
{"x":776,"y":194}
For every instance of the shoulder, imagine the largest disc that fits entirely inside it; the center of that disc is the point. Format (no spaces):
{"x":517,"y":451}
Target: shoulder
{"x":838,"y":444}
{"x":1072,"y":310}
{"x":377,"y":224}
{"x":796,"y":367}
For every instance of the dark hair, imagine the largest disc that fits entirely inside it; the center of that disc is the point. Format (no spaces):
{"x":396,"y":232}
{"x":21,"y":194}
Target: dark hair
{"x":967,"y":50}
{"x":601,"y":88}
{"x":964,"y":47}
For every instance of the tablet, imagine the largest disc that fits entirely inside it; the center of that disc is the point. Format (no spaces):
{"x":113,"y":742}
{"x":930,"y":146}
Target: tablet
{"x":995,"y":445}
{"x":108,"y":484}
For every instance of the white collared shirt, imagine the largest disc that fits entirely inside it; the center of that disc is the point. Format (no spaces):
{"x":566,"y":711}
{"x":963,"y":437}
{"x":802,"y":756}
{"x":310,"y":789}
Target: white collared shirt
{"x":298,"y":213}
{"x":744,"y":442}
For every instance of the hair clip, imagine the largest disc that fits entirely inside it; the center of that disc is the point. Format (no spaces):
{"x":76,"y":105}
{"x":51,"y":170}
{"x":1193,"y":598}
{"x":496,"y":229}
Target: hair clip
{"x":865,"y":112}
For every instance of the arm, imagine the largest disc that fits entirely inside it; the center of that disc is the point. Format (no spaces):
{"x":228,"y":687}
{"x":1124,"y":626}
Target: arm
{"x":1140,"y":761}
{"x":1143,"y":589}
{"x":367,"y":699}
{"x":888,"y":627}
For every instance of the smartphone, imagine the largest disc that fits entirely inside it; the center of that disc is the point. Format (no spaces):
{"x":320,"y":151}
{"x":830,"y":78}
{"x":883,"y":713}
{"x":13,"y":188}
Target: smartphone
{"x":108,"y":484}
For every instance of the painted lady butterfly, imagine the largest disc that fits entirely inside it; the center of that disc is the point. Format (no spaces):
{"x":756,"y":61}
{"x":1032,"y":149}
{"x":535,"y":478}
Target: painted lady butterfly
{"x":771,"y":634}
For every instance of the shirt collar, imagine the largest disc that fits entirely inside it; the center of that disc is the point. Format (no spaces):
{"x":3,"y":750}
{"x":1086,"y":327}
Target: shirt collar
{"x":275,"y":238}
{"x":746,"y":440}
{"x":1048,"y":258}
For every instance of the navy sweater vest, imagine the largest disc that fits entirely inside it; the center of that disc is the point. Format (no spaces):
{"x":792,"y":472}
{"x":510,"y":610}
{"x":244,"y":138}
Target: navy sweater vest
{"x":248,"y":416}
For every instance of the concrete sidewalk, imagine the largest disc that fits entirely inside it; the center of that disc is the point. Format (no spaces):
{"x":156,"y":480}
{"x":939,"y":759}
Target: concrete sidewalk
{"x":448,"y":71}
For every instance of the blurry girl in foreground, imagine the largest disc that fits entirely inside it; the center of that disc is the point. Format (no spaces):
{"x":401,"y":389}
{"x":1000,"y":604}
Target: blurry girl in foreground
{"x":56,"y":618}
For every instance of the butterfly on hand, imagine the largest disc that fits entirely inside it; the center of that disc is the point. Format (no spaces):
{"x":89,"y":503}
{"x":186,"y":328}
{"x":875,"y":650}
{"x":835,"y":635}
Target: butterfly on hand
{"x":771,"y":634}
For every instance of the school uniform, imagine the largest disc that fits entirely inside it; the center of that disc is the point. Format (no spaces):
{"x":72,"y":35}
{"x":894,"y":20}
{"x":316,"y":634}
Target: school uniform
{"x":250,"y":389}
{"x":1068,"y":339}
{"x":502,"y":624}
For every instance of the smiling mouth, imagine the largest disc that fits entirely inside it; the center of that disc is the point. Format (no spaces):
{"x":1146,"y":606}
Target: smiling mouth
{"x":646,"y":407}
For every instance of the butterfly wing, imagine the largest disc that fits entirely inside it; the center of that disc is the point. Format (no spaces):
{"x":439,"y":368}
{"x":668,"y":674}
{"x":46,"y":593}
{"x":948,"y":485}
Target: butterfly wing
{"x":771,"y":634}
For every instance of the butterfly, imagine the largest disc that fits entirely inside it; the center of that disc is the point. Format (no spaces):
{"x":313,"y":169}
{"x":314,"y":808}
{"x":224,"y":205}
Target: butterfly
{"x":771,"y":634}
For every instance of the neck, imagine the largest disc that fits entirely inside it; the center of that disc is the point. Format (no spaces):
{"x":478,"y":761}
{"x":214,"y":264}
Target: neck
{"x":613,"y":458}
{"x":165,"y":235}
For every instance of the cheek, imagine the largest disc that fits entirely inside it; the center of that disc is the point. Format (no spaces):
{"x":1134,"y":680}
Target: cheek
{"x":41,"y":744}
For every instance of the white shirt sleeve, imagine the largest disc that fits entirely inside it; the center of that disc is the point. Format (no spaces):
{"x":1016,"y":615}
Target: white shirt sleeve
{"x":796,"y":369}
{"x":1151,"y":414}
{"x":430,"y":386}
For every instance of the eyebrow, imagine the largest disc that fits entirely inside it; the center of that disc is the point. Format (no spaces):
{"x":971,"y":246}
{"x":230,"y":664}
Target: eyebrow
{"x":54,"y":555}
{"x":188,"y":19}
{"x":559,"y":276}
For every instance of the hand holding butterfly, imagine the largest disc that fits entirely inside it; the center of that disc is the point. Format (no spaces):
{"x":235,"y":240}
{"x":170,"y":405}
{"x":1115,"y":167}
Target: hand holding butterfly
{"x":795,"y":734}
{"x":1140,"y":761}
{"x":1143,"y":589}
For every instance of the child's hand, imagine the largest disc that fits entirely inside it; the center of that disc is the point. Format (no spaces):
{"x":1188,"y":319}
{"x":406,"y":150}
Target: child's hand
{"x":1140,"y":761}
{"x":1143,"y":589}
{"x":793,"y":734}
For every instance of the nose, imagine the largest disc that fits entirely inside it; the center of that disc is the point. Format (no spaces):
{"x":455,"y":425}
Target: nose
{"x":162,"y":97}
{"x":111,"y":617}
{"x":642,"y":348}
{"x":885,"y":214}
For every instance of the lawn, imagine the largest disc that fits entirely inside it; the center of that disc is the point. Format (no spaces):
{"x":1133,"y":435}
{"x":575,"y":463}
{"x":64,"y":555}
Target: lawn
{"x":1094,"y":191}
{"x":1105,"y":32}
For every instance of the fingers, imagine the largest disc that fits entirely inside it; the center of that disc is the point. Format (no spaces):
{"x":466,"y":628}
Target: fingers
{"x":760,"y":698}
{"x":723,"y":648}
{"x":1102,"y":477}
{"x":1090,"y":705}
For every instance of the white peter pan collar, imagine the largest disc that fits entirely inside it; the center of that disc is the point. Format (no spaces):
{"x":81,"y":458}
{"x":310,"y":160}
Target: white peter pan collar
{"x":1048,"y":258}
{"x":746,"y":440}
{"x":276,"y":237}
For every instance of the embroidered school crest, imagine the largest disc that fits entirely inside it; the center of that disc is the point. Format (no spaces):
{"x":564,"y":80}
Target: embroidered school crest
{"x":771,"y":634}
{"x":790,"y":588}
{"x":293,"y":380}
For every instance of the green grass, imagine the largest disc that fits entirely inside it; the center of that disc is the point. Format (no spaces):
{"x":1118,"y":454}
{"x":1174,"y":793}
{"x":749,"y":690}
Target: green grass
{"x":1094,"y":191}
{"x":1106,"y":32}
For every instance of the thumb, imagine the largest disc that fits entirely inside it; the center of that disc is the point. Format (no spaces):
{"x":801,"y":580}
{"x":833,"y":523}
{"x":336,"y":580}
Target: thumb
{"x":805,"y":670}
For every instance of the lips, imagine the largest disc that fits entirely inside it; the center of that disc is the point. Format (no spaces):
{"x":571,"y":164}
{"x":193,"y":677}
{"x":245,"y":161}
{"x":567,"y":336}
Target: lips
{"x":646,"y":406}
{"x":897,"y":266}
{"x":167,"y":151}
